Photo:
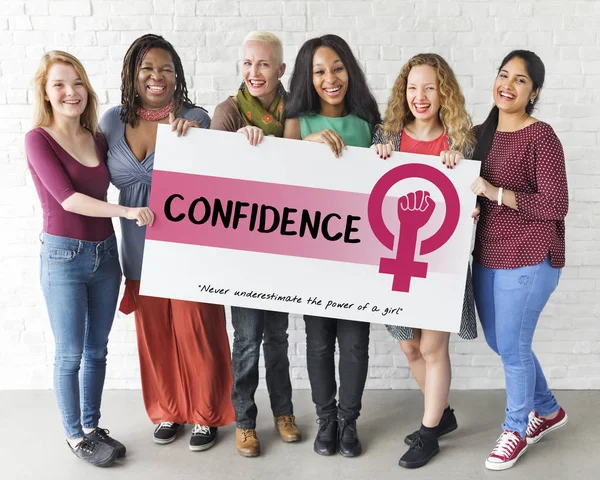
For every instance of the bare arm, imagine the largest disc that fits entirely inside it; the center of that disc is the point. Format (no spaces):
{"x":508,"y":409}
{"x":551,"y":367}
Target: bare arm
{"x":90,"y":207}
{"x":291,"y":129}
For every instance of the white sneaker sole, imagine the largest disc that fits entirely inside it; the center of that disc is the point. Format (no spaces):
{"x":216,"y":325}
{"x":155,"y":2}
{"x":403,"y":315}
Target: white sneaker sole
{"x":562,"y":423}
{"x":166,"y":441}
{"x":200,"y":448}
{"x":497,"y":466}
{"x":160,"y":441}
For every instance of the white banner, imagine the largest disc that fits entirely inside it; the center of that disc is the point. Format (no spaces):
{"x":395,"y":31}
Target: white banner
{"x":286,"y":226}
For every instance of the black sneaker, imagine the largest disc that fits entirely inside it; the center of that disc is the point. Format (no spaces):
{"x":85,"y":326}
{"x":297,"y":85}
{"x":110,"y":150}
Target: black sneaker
{"x":101,"y":435}
{"x":447,"y":424}
{"x":202,"y":438}
{"x":420,"y":451}
{"x":96,"y":453}
{"x":348,"y":438}
{"x":166,"y":432}
{"x":326,"y":441}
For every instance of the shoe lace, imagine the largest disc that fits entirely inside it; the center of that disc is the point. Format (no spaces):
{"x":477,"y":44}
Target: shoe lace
{"x":347,"y":428}
{"x":102,"y":433}
{"x":506,"y":444}
{"x":324,"y":422}
{"x":326,"y":427}
{"x":201,"y":429}
{"x":248,"y":433}
{"x":534,"y":424}
{"x":87,"y":445}
{"x":287,"y":420}
{"x":166,"y":425}
{"x":417,"y":443}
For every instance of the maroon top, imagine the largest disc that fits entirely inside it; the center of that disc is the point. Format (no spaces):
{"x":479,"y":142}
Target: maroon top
{"x":57,"y":176}
{"x":531,"y":163}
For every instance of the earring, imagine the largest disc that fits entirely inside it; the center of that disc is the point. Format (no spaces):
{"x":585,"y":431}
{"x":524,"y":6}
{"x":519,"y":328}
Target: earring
{"x":532,"y":100}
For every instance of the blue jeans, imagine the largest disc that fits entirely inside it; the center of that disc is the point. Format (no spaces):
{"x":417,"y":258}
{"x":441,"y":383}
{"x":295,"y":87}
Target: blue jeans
{"x":509,"y":302}
{"x":80,"y":281}
{"x":251,"y":328}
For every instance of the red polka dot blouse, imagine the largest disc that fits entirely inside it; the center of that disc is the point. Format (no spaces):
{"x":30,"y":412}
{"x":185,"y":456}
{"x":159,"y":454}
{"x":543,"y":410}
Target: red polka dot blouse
{"x":531,"y":163}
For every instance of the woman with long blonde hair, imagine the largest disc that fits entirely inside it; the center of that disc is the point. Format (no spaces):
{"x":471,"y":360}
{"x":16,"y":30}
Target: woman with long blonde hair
{"x":426,"y":114}
{"x":79,"y":261}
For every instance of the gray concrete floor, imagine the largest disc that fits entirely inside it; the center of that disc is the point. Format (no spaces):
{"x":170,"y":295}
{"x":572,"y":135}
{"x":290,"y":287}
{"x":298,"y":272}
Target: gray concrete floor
{"x":32,"y":446}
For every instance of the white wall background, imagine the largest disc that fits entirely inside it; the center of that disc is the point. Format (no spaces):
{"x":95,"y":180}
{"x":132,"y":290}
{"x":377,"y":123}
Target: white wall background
{"x":472,"y":35}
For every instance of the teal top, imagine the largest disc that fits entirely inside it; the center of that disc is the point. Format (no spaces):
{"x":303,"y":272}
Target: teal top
{"x":355,"y":131}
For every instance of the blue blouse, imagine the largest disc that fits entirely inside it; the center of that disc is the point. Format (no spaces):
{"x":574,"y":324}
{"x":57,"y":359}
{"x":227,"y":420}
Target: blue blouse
{"x":133,"y":178}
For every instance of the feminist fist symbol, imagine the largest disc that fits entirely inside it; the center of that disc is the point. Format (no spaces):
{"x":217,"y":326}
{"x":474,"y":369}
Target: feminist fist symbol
{"x":414,"y":211}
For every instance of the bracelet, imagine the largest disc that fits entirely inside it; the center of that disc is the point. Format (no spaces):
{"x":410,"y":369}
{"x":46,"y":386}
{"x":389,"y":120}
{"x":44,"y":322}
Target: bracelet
{"x":500,"y":190}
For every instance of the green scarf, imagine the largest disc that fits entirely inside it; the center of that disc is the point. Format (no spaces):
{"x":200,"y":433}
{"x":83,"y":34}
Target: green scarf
{"x":271,"y":121}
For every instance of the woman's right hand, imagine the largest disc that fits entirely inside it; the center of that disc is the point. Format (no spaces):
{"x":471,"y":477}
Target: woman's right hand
{"x":335,"y":142}
{"x":142,"y":216}
{"x":253,"y":134}
{"x":475,"y":214}
{"x":384,"y":150}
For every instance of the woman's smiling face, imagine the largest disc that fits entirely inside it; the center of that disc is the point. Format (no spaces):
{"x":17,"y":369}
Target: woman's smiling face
{"x":330,"y":77}
{"x":423,"y":93}
{"x":513,"y":87}
{"x":156,"y":79}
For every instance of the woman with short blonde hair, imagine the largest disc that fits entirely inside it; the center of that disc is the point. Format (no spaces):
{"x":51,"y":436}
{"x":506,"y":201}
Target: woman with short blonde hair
{"x":255,"y":111}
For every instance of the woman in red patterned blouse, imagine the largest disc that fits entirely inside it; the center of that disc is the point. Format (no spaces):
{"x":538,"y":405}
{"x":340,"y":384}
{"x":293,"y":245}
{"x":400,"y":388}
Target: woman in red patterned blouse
{"x":519,"y":247}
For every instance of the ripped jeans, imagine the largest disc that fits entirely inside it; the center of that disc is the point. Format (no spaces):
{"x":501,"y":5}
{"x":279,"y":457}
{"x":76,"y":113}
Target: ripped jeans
{"x":509,"y":303}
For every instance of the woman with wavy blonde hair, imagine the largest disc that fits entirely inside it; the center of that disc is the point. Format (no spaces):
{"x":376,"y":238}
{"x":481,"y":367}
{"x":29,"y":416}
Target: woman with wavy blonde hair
{"x":426,"y":115}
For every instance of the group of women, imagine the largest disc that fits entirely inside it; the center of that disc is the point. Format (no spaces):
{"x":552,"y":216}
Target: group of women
{"x":187,"y":372}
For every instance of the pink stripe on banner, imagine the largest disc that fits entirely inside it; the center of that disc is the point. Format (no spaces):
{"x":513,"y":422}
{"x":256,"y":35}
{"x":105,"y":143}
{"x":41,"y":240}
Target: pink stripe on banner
{"x":369,"y":251}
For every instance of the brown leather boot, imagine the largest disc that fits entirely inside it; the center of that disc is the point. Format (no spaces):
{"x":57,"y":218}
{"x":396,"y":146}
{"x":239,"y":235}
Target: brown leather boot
{"x":287,"y":428}
{"x":246,"y":442}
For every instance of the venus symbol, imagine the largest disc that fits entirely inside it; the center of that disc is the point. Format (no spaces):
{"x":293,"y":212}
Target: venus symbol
{"x":414,"y":211}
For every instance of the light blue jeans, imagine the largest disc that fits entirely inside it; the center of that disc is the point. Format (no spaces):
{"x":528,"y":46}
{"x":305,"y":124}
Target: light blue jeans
{"x":80,"y":281}
{"x":509,"y":303}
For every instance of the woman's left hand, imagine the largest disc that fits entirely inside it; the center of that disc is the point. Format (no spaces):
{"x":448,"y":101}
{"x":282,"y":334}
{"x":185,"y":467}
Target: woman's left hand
{"x":181,"y":125}
{"x":482,"y":188}
{"x":253,"y":134}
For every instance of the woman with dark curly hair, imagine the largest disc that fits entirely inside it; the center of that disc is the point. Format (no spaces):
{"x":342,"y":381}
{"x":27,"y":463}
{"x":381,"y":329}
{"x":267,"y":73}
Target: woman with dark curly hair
{"x":183,"y":347}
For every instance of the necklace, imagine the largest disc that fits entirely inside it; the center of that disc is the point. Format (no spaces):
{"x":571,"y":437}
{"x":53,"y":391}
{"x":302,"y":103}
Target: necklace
{"x":154,"y":115}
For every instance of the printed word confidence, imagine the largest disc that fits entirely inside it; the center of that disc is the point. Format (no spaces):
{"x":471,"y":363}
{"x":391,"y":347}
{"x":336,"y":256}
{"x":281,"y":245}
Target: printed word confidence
{"x":263,"y":218}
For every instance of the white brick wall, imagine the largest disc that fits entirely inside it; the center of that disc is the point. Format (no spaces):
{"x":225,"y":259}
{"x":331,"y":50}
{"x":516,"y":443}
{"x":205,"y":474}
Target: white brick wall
{"x":473,"y":35}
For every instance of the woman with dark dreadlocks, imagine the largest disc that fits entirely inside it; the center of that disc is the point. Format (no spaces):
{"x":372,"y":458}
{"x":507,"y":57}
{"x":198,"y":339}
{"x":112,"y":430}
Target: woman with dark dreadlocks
{"x":183,"y":347}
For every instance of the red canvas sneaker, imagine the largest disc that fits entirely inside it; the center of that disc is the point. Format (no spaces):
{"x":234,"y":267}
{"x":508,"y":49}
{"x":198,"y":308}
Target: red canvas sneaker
{"x":508,"y":449}
{"x":538,"y":426}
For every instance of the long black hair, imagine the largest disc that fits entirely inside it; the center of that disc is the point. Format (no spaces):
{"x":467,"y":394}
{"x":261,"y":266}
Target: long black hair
{"x":537,"y":73}
{"x":131,"y":64}
{"x":303,"y":97}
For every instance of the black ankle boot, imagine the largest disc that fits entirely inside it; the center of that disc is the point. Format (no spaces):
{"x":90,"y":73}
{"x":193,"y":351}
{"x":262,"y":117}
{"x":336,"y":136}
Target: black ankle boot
{"x":421,"y":450}
{"x":447,"y":425}
{"x":326,"y":441}
{"x":348,"y":438}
